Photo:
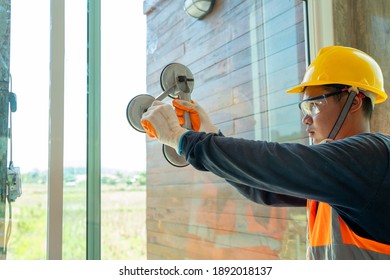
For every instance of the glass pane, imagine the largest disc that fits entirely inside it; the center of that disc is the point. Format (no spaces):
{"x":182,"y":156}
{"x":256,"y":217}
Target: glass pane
{"x":243,"y":55}
{"x":30,"y":49}
{"x":123,"y":149}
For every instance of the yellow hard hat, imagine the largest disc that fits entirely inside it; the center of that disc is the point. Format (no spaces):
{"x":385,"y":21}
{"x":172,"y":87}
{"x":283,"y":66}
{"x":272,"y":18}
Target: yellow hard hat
{"x":345,"y":66}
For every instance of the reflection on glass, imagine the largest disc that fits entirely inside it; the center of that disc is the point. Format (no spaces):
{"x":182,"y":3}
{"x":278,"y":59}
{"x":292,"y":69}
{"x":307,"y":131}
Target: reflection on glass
{"x":245,"y":58}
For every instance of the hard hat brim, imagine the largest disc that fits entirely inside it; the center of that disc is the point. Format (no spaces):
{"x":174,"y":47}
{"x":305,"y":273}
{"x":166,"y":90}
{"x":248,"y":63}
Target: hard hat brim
{"x":381,"y":96}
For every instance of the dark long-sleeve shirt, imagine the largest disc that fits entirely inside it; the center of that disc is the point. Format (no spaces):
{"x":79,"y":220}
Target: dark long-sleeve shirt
{"x":352,"y":175}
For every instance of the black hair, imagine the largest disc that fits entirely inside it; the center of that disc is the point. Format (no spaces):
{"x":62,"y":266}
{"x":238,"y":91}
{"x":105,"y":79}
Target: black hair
{"x":366,"y":105}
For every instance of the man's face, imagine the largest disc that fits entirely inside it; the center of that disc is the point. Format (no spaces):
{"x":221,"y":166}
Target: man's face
{"x":323,"y":112}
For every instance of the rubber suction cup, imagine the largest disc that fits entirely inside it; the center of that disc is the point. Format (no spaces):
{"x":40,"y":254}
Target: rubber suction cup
{"x":176,"y":73}
{"x":173,"y":158}
{"x":136,"y":107}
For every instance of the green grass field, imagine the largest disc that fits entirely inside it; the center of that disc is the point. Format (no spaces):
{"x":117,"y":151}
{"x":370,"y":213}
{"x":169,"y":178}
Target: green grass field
{"x":123,"y":227}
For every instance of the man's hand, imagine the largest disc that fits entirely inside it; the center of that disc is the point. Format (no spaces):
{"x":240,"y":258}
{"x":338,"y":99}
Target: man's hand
{"x":200,"y":121}
{"x":160,"y":122}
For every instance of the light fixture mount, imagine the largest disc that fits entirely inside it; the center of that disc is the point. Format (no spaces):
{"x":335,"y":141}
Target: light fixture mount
{"x":198,"y":8}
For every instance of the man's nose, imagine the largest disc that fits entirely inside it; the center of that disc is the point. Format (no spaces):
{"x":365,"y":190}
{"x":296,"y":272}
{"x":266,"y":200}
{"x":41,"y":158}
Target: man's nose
{"x":307,"y":120}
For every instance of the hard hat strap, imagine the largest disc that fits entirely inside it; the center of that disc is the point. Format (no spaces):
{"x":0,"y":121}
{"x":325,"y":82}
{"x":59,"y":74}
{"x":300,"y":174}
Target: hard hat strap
{"x":343,"y":115}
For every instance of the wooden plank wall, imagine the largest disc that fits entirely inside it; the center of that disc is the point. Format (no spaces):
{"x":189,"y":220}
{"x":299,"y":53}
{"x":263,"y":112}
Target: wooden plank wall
{"x":365,"y":25}
{"x":243,"y":56}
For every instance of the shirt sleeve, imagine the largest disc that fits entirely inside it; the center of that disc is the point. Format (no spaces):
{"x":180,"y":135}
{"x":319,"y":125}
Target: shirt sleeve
{"x":328,"y":172}
{"x":268,"y":198}
{"x":254,"y":194}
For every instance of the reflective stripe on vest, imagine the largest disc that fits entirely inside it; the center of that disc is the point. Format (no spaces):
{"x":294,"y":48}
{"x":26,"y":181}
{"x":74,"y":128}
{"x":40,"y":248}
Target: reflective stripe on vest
{"x":329,"y":237}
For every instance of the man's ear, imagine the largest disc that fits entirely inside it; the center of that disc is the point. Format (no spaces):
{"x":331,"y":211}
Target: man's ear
{"x":357,"y":102}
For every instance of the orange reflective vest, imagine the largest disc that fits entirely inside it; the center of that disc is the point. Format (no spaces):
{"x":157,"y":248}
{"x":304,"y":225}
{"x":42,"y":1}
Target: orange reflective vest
{"x":329,"y":237}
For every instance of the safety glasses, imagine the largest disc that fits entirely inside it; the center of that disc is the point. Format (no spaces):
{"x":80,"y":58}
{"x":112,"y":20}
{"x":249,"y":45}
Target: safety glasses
{"x":311,"y":106}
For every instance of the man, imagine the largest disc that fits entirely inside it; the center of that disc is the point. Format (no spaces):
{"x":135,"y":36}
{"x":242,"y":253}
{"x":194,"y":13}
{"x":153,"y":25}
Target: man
{"x":344,"y":182}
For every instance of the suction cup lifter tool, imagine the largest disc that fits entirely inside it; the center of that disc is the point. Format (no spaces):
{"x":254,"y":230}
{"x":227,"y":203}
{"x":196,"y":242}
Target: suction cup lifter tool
{"x":176,"y":81}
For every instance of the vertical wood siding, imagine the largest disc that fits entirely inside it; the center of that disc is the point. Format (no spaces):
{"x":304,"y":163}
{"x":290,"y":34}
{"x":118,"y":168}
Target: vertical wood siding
{"x":243,"y":55}
{"x":365,"y":24}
